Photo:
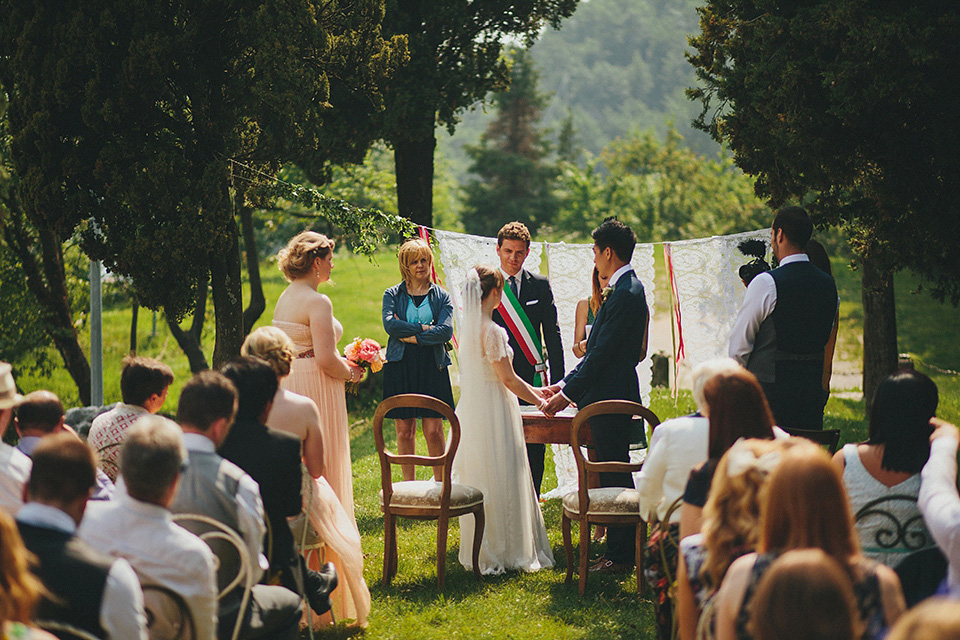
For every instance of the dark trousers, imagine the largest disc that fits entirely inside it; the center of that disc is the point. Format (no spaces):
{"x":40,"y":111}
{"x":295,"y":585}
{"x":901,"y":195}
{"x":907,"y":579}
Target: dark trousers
{"x":796,"y":405}
{"x":535,"y":454}
{"x":611,"y":440}
{"x":273,"y":612}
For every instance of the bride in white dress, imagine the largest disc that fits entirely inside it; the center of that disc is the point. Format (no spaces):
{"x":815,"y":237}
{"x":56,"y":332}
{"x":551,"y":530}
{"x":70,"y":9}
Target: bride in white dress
{"x":492,"y":456}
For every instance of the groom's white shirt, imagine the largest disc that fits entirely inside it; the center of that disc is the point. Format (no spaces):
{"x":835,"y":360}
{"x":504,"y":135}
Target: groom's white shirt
{"x":627,"y":268}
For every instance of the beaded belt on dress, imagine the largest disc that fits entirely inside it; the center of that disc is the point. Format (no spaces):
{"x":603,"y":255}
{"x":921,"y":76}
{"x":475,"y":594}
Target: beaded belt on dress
{"x":305,"y":354}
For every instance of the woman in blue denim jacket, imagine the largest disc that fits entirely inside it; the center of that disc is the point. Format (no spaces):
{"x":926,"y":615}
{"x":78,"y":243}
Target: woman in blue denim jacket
{"x":418,"y":318}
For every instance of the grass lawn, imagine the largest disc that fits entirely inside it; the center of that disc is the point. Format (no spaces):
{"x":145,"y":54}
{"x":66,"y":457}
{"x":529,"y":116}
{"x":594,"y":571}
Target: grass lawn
{"x":512,"y":606}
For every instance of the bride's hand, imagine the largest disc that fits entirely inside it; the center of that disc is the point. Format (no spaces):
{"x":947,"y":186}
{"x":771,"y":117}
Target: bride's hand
{"x":544,"y":392}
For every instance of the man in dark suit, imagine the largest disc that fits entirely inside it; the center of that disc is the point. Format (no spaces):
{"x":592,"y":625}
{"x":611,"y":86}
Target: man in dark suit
{"x":535,"y":299}
{"x":616,"y":345}
{"x":783,"y":327}
{"x":272,"y":459}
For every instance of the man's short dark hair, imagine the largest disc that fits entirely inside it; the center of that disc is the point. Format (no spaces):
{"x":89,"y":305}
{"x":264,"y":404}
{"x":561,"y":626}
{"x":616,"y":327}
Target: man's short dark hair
{"x":205,"y":398}
{"x":616,"y":235}
{"x":796,"y":225}
{"x":142,"y":377}
{"x":64,"y":468}
{"x":40,"y":411}
{"x":256,"y":384}
{"x":151,"y":458}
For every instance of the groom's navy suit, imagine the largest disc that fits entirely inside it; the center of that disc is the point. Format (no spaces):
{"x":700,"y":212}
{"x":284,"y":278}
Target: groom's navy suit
{"x":536,"y":297}
{"x":608,"y":371}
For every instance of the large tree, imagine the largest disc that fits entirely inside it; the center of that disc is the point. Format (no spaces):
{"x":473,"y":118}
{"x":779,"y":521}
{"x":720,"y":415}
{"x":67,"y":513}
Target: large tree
{"x":516,"y":180}
{"x":848,"y":107}
{"x":455,"y":51}
{"x":144,"y":124}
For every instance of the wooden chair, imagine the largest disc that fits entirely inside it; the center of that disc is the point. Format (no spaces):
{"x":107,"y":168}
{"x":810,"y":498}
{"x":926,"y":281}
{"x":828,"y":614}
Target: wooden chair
{"x":829,"y":438}
{"x":64,"y":631}
{"x":234,"y":565}
{"x":669,"y":542}
{"x":607,"y":506}
{"x":168,"y":616}
{"x":424,"y":499}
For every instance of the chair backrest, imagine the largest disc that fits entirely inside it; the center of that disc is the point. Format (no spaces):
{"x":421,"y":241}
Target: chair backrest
{"x":168,"y":616}
{"x":388,"y":458}
{"x":890,"y":531}
{"x":829,"y":438}
{"x":234,"y":565}
{"x":64,"y":631}
{"x":605,"y":407}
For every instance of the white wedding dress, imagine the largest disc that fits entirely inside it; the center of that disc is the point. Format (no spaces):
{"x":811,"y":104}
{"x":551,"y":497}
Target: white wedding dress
{"x":492,"y":456}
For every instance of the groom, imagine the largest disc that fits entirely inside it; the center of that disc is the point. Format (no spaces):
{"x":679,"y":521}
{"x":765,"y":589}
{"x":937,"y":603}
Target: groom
{"x":530,"y":313}
{"x":616,"y":345}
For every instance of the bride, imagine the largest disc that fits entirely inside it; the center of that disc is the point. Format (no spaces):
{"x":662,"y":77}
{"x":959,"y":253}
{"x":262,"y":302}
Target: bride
{"x":492,"y":456}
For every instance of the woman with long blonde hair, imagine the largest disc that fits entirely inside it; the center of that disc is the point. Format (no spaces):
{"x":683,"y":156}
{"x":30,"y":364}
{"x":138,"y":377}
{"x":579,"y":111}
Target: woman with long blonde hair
{"x":804,"y":505}
{"x":20,"y":590}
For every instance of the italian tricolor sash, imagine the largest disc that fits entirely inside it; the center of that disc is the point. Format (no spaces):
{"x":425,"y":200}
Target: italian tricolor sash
{"x":519,"y":326}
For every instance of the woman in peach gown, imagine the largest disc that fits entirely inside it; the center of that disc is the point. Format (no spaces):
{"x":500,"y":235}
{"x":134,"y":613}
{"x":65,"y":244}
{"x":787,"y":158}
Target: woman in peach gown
{"x":299,"y":416}
{"x":319,"y":371}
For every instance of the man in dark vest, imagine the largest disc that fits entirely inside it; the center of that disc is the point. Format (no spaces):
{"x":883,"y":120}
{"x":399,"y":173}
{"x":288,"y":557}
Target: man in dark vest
{"x":221,"y":490}
{"x":272,"y":458}
{"x":785,"y":323}
{"x":527,"y":312}
{"x":90,"y":590}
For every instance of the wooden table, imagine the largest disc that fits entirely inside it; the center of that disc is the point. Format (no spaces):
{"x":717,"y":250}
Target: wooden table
{"x":556,"y":430}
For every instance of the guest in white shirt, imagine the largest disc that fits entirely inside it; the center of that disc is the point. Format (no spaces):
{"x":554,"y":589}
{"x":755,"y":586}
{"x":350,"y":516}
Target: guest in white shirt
{"x":143,"y":387}
{"x":87,"y":589}
{"x":939,"y":501}
{"x":14,"y":466}
{"x":41,"y":415}
{"x":138,"y":526}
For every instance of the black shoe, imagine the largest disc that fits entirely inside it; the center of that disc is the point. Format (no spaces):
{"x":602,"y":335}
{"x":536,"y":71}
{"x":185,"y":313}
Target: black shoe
{"x":318,"y":586}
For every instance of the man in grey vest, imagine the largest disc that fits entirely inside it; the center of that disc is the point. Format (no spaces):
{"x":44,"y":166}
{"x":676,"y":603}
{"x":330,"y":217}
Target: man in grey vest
{"x":217,"y":488}
{"x":785,"y":323}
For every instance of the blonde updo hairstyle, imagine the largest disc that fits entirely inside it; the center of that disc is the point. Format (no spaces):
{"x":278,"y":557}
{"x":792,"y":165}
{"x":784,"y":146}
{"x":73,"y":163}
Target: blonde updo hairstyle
{"x":490,"y":279}
{"x":411,"y":250}
{"x":271,"y":345}
{"x":731,"y":516}
{"x":296,"y":259}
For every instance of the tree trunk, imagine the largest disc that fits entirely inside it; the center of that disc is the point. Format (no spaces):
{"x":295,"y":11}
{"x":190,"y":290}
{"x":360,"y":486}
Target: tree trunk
{"x":227,"y":300}
{"x":133,"y":326}
{"x":413,"y":160}
{"x":257,"y":302}
{"x":879,"y":324}
{"x":189,"y":340}
{"x":47,"y":281}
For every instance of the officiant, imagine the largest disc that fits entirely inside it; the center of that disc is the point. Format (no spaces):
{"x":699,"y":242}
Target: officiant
{"x":529,"y":315}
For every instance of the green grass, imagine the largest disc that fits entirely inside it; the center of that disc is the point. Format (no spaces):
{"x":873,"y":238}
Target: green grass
{"x":514,"y":606}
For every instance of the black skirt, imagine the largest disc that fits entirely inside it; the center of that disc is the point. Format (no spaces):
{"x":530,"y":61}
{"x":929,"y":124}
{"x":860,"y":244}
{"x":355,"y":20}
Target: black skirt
{"x":416,"y":372}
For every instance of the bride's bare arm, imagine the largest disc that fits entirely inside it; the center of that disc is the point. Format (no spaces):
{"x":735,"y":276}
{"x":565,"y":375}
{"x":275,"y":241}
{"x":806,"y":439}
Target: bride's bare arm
{"x":515,"y":383}
{"x":324,"y":339}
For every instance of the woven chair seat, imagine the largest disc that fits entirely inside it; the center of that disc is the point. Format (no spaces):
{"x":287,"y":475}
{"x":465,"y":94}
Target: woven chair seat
{"x":425,"y":494}
{"x":606,"y":501}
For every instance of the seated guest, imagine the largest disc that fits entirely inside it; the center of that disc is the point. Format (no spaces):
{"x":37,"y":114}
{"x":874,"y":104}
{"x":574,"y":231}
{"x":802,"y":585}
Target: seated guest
{"x":806,"y":595}
{"x":935,"y":618}
{"x":143,"y":387}
{"x":137,"y":524}
{"x":730,"y":528}
{"x":737,"y":409}
{"x":939,"y":501}
{"x":677,"y":446}
{"x":19,"y":589}
{"x":14,"y":466}
{"x":804,"y":506}
{"x":40,"y":415}
{"x":217,"y":488}
{"x":85,"y":588}
{"x":888,"y":465}
{"x":272,"y":458}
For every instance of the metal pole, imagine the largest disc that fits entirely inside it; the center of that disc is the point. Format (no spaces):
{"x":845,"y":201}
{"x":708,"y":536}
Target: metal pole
{"x":96,"y":336}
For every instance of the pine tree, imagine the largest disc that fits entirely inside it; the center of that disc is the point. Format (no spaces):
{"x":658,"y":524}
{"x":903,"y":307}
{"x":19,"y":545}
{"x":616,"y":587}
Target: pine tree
{"x":516,"y":180}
